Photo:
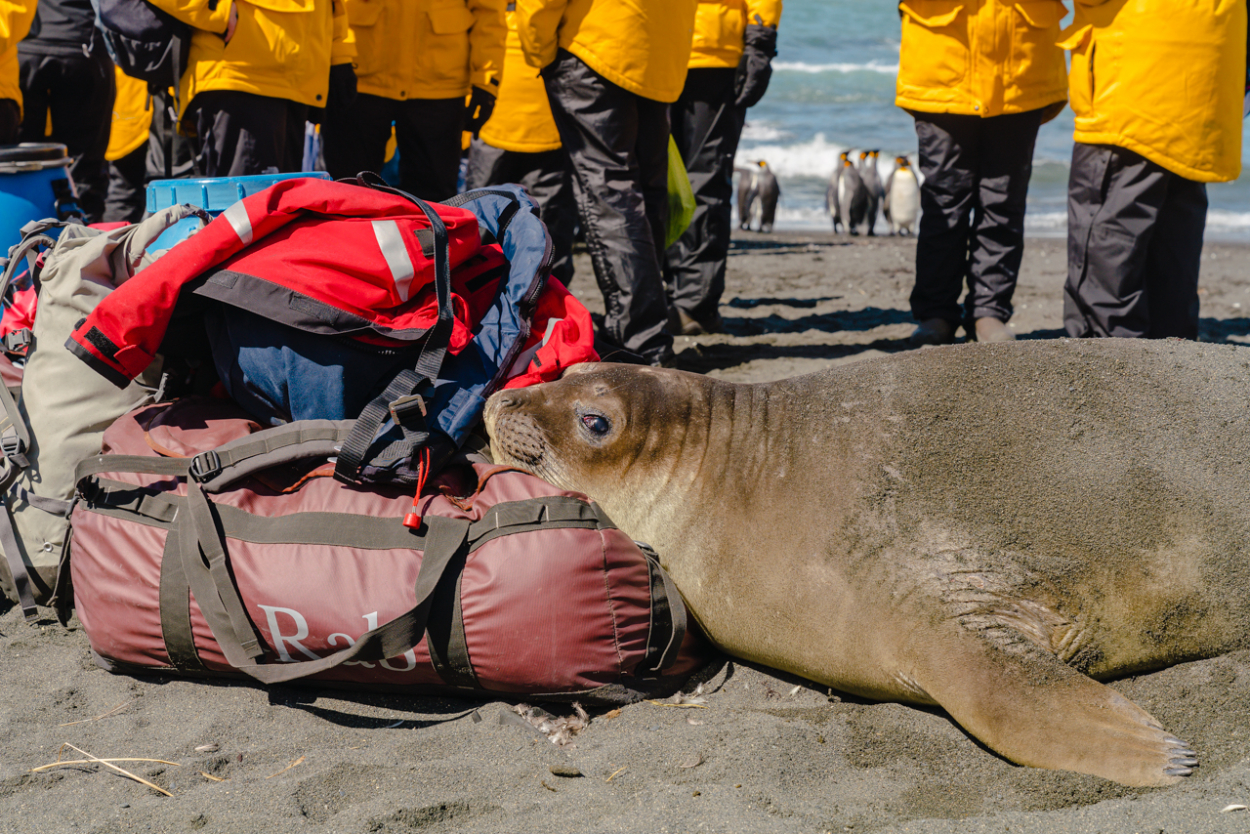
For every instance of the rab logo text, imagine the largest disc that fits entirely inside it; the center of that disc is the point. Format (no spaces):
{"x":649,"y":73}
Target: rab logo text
{"x":287,"y":627}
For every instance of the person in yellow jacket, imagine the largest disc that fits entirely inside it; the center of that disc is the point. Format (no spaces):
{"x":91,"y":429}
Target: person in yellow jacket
{"x":979,"y":77}
{"x":730,"y":65}
{"x":254,"y":71}
{"x":1157,"y":90}
{"x":416,"y":62}
{"x":611,"y":68}
{"x":67,"y":77}
{"x":127,"y":152}
{"x":15,"y":20}
{"x":520,"y":144}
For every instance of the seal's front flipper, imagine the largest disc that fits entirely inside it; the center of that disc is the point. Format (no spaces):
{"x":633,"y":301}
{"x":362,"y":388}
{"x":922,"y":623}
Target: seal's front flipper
{"x":1033,"y":709}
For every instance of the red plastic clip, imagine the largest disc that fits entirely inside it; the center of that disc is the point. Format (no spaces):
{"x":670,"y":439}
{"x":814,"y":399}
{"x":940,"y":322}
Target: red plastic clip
{"x":413,"y":519}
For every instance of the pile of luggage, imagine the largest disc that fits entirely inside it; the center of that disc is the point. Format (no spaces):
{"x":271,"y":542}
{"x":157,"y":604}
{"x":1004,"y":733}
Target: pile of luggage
{"x":258,"y":453}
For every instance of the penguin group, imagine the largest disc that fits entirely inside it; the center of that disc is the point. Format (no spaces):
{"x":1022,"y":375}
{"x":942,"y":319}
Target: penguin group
{"x":758,"y":193}
{"x":855,"y":195}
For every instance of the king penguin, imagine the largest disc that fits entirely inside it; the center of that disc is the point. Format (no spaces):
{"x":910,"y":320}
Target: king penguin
{"x":872,"y":181}
{"x":768,"y":192}
{"x":902,"y":198}
{"x":831,"y":194}
{"x":852,"y":197}
{"x":758,"y":193}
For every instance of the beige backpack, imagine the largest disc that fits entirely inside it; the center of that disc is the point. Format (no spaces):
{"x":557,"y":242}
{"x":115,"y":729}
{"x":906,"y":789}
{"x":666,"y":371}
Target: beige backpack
{"x":64,"y":406}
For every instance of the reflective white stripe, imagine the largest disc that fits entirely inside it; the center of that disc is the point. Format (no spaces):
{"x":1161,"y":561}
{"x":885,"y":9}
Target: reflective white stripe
{"x":391,"y":242}
{"x":237,"y":217}
{"x":551,"y":326}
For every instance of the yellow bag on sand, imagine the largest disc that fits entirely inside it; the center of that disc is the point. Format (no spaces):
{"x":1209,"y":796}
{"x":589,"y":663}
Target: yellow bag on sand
{"x":680,"y":196}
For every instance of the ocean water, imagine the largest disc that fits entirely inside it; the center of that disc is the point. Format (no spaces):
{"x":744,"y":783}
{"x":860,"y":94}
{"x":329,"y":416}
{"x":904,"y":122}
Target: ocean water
{"x":833,"y":88}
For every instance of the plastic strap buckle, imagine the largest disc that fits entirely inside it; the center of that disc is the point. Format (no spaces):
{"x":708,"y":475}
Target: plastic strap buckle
{"x":16,"y":340}
{"x":205,"y":466}
{"x":12,"y":446}
{"x":404,"y":409}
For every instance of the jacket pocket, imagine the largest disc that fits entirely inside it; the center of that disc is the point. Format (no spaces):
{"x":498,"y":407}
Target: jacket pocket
{"x":934,"y":49}
{"x":363,"y":12}
{"x":718,"y":27}
{"x":287,"y":6}
{"x":1041,"y":14}
{"x":1037,"y":67}
{"x":932,"y":14}
{"x":452,"y":20}
{"x":1080,"y":42}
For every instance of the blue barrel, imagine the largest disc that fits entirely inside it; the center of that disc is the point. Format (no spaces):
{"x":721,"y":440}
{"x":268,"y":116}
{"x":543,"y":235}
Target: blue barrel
{"x":34,"y":184}
{"x":214,"y":194}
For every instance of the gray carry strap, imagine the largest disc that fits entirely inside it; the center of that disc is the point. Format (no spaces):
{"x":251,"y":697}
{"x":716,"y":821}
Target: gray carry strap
{"x":17,"y":566}
{"x":229,"y":463}
{"x":215,"y":593}
{"x":24,"y":250}
{"x":14,"y":447}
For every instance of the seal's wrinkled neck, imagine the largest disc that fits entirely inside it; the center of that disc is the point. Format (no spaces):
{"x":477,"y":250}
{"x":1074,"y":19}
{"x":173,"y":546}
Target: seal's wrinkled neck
{"x":697,"y":452}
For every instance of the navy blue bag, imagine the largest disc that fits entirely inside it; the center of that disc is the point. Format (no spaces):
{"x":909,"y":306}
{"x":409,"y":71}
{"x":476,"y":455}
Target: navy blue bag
{"x":281,"y":374}
{"x":145,"y":42}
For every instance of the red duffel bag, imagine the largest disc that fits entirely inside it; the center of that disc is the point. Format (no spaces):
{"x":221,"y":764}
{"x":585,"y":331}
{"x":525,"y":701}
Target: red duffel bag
{"x":203,"y":545}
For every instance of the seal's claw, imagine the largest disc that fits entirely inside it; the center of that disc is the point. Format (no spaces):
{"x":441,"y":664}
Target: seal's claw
{"x":1178,"y":771}
{"x":1188,"y":761}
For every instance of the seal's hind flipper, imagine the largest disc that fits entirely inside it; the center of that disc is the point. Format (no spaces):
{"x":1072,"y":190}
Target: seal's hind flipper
{"x":1033,"y":709}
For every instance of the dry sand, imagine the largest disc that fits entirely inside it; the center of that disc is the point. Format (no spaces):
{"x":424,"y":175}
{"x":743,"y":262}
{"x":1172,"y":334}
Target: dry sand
{"x":762,"y":753}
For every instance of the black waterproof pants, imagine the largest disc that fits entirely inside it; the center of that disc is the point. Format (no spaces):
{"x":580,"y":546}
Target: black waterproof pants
{"x":976,"y":178}
{"x":1134,"y":246}
{"x":427,"y":134}
{"x":617,"y":143}
{"x":163,"y":135}
{"x":78,"y":90}
{"x":706,"y":129}
{"x":546,"y":177}
{"x":127,"y":198}
{"x":241,"y":134}
{"x":10,"y":121}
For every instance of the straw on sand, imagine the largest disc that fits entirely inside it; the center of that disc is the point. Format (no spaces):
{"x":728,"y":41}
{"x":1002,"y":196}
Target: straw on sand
{"x":109,"y":764}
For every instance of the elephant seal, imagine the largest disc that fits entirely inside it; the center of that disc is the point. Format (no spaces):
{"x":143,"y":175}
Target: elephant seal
{"x":987,"y":527}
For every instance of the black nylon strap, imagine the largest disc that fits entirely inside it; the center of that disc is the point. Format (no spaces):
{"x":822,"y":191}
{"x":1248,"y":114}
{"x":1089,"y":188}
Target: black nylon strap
{"x":175,"y":598}
{"x":355,"y":449}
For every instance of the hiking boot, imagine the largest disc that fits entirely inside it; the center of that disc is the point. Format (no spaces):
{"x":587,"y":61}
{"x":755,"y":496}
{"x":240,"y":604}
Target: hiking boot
{"x":990,"y":329}
{"x":933,"y":332}
{"x":664,"y":358}
{"x":690,"y":326}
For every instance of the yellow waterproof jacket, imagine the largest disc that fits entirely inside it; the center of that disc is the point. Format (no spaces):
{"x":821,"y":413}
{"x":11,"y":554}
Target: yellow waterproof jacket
{"x":281,"y":48}
{"x":980,"y":57}
{"x":521,"y":120}
{"x":427,"y":48}
{"x":132,"y":117}
{"x":641,"y":45}
{"x":1164,"y":78}
{"x":718,"y":28}
{"x":15,"y":18}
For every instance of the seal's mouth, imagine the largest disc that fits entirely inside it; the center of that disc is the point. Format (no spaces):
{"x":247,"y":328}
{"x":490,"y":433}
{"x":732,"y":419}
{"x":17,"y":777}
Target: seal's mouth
{"x":515,"y":438}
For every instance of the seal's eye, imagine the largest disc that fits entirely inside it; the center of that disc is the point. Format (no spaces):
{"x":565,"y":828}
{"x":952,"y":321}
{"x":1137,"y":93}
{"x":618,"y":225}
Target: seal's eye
{"x":596,"y":424}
